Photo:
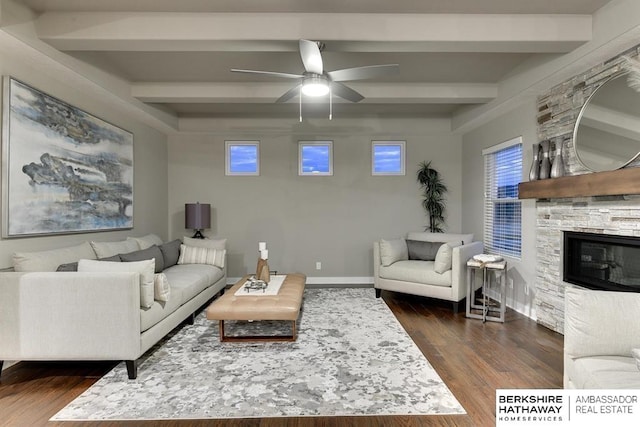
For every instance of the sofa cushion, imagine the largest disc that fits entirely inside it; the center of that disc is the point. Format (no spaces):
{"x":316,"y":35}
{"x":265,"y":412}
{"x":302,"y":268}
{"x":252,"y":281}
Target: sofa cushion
{"x":440,"y":237}
{"x":161,"y":287}
{"x":50,"y":260}
{"x":415,"y":271}
{"x":205,"y":243}
{"x":147,"y":241}
{"x":444,"y":257}
{"x":423,"y":251}
{"x":107,"y":249}
{"x":152,"y":252}
{"x":170,"y":252}
{"x":604,"y":372}
{"x":193,"y":255}
{"x":159,"y":310}
{"x":191,"y":279}
{"x":586,"y":334}
{"x":392,"y":251}
{"x":145,"y":268}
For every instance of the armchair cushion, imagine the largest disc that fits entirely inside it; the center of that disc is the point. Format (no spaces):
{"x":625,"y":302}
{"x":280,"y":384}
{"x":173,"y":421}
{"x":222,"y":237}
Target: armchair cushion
{"x":416,"y":272}
{"x":423,"y":251}
{"x":444,"y":256}
{"x":392,"y":251}
{"x":440,"y":237}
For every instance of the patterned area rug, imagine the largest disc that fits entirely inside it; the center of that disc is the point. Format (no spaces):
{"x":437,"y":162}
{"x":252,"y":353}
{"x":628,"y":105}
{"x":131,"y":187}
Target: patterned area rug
{"x":352,"y":357}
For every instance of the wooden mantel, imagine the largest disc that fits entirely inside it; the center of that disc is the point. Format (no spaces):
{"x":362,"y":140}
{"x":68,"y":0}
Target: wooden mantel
{"x":611,"y":183}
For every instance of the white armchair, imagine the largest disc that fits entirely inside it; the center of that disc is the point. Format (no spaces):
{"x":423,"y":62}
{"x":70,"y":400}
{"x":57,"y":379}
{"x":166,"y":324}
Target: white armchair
{"x":426,"y":264}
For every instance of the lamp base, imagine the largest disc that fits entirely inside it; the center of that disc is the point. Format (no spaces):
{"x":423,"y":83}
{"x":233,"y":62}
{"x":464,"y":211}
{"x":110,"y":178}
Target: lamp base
{"x":198,"y":235}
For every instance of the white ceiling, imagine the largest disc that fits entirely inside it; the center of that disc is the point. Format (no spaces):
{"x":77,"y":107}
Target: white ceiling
{"x":178,"y":54}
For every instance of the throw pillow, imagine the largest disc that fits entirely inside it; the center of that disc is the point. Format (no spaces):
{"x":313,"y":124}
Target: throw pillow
{"x":114,"y":258}
{"x":147,"y":241}
{"x":192,"y":255}
{"x":392,"y":251}
{"x":423,"y":251}
{"x":152,"y":252}
{"x":170,"y":252}
{"x":205,"y":243}
{"x":161,"y":288}
{"x":107,"y":249}
{"x":444,"y":256}
{"x":145,"y":268}
{"x":636,"y":355}
{"x":50,"y":260}
{"x":71,"y":266}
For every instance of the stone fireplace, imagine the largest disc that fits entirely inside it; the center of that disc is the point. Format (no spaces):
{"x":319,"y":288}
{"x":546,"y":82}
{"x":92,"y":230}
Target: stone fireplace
{"x":610,"y":215}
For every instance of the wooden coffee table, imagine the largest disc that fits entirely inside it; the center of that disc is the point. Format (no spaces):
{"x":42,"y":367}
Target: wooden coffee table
{"x":284,"y":306}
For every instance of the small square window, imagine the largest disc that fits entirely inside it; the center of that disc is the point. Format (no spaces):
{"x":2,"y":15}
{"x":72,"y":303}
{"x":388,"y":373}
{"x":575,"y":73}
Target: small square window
{"x":315,"y":158}
{"x":387,"y":157}
{"x":242,"y":157}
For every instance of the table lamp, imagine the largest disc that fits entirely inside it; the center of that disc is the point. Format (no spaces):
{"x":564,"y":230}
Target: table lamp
{"x":198,"y":217}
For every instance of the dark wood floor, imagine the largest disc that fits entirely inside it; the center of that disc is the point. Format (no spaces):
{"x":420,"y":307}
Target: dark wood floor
{"x":473,"y":359}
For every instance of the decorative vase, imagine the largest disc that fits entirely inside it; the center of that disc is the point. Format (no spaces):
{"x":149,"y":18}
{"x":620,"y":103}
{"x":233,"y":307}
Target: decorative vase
{"x":534,"y":173}
{"x":557,"y":170}
{"x":545,"y":162}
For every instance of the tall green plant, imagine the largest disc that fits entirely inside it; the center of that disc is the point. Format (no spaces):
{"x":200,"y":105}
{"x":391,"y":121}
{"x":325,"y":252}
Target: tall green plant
{"x":434,"y":200}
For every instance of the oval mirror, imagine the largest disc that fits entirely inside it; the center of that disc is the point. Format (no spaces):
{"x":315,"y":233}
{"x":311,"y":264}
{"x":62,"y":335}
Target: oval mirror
{"x":607,"y":132}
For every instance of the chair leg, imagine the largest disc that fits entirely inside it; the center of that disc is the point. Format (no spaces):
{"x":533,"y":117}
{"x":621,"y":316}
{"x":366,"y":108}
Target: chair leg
{"x":132,"y":369}
{"x":378,"y":292}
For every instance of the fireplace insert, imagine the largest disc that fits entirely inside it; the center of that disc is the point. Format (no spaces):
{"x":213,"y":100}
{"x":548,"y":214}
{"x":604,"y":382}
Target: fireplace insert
{"x":602,"y":261}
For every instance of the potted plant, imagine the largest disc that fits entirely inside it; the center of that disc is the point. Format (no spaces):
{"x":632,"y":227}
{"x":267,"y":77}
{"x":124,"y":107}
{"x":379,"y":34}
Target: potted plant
{"x":434,"y":191}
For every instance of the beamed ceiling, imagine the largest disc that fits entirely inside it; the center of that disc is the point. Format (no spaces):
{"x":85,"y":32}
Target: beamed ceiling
{"x":177,"y":55}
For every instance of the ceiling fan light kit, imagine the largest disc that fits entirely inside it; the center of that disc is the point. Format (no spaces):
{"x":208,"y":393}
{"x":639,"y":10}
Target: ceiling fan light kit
{"x":315,"y":86}
{"x":316,"y":82}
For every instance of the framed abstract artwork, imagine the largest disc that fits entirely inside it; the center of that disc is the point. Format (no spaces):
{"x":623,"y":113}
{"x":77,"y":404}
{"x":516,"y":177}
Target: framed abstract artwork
{"x":63,"y":170}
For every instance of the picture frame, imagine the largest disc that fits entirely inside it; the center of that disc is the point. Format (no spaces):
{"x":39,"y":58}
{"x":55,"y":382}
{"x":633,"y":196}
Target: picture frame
{"x":64,"y":170}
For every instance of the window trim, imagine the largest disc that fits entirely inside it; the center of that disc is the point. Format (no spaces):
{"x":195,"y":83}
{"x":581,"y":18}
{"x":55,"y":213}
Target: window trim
{"x":401,"y":144}
{"x":488,"y":201}
{"x":302,"y":144}
{"x":227,"y":156}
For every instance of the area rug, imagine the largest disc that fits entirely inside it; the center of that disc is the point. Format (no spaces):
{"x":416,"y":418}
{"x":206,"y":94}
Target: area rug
{"x":352,"y":357}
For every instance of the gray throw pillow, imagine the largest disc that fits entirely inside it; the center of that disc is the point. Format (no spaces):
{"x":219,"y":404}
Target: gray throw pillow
{"x":144,"y":254}
{"x":423,"y":251}
{"x":71,"y":266}
{"x":112,"y":258}
{"x":171,"y":252}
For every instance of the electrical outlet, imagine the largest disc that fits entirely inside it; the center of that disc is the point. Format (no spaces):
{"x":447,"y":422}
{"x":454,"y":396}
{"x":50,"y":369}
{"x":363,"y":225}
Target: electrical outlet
{"x":318,"y":265}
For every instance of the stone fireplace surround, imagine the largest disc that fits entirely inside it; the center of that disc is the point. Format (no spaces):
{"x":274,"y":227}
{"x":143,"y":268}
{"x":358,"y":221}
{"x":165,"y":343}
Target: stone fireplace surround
{"x":617,"y":215}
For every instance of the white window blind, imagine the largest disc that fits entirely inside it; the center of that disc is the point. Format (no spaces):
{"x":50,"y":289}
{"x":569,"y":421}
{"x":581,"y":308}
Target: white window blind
{"x":502,"y":208}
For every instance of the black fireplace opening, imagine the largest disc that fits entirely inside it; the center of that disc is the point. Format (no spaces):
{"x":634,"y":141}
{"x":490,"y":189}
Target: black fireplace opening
{"x":602,"y":261}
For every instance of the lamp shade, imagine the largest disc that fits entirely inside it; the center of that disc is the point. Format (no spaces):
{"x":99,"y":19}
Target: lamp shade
{"x":197,"y":215}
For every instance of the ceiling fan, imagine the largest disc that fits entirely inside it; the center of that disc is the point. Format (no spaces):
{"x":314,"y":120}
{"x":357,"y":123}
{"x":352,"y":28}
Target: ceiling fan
{"x":315,"y":81}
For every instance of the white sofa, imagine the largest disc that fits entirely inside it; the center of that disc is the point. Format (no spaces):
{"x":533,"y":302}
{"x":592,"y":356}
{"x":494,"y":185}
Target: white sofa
{"x":600,"y":331}
{"x":55,"y":315}
{"x":443,"y":278}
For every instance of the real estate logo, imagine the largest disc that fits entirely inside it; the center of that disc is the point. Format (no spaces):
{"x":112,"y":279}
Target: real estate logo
{"x":567,"y":407}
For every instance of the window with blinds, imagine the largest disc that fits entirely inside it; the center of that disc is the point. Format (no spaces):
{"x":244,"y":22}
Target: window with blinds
{"x":502,"y":209}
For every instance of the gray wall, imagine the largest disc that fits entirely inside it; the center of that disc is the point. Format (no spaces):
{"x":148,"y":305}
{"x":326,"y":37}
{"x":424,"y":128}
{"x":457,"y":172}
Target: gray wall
{"x":334,"y":219}
{"x":150,"y":153}
{"x":520,"y":121}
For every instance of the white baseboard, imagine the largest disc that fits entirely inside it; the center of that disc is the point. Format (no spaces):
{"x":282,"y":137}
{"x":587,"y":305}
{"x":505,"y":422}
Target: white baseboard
{"x":334,"y":281}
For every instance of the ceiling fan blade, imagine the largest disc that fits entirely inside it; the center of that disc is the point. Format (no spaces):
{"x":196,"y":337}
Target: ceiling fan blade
{"x":289,"y":94}
{"x":270,"y":73}
{"x":311,"y":57}
{"x":345,"y":92}
{"x":361,"y":73}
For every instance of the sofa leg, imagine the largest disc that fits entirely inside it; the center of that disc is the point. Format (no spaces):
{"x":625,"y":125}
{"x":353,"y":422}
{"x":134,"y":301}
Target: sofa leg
{"x":456,"y":307}
{"x":378,"y":292}
{"x":1,"y":363}
{"x":191,"y":319}
{"x":132,"y":369}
